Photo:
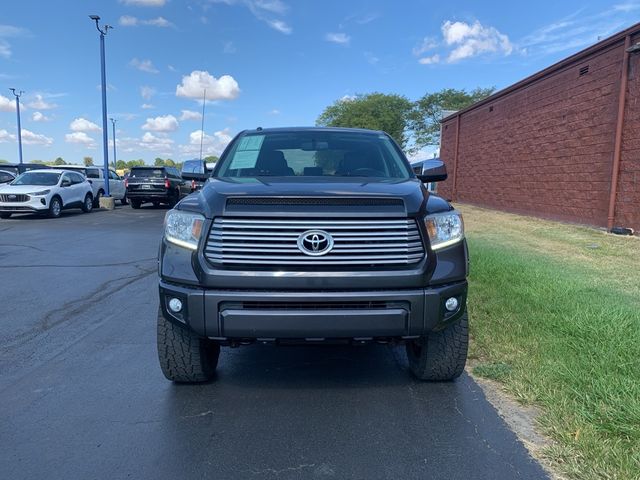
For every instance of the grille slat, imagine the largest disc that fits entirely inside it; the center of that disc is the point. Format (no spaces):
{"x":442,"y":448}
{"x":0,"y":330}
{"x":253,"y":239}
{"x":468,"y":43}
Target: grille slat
{"x":241,"y":242}
{"x":17,"y":197}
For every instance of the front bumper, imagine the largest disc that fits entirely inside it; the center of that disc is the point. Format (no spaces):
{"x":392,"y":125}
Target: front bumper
{"x":226,"y":315}
{"x":34,"y":204}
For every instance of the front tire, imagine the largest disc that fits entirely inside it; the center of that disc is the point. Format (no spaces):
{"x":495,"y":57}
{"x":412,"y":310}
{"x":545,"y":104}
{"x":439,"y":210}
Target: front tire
{"x":441,"y":355}
{"x":184,"y":356}
{"x":87,"y":206}
{"x":135,"y":203}
{"x":55,"y":207}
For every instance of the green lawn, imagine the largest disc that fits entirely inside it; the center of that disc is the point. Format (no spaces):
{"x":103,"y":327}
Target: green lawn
{"x":554,"y":312}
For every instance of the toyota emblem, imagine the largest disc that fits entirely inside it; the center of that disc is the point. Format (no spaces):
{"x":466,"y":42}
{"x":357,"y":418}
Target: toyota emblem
{"x":315,"y":242}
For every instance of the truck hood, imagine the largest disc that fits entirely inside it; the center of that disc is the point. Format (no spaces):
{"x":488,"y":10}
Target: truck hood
{"x":212,"y":199}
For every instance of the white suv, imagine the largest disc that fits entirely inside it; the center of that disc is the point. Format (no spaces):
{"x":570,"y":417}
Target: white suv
{"x":95,"y":175}
{"x":46,"y":191}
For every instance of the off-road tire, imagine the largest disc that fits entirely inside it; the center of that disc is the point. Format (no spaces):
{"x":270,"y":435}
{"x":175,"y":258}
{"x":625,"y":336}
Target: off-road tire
{"x":184,"y":356}
{"x":5,"y":215}
{"x":441,"y":355}
{"x":87,"y":205}
{"x":135,"y":203}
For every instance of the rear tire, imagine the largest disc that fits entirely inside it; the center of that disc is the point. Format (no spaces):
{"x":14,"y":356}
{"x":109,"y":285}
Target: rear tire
{"x":174,"y":199}
{"x":87,"y":206}
{"x":184,"y":356}
{"x":96,"y":201}
{"x":55,"y":207}
{"x":5,"y":215}
{"x":441,"y":355}
{"x":135,"y":203}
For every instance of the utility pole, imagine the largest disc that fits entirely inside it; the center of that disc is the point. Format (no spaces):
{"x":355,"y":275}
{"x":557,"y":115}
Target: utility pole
{"x":105,"y":135}
{"x":113,"y":123}
{"x":18,"y":95}
{"x":204,"y":101}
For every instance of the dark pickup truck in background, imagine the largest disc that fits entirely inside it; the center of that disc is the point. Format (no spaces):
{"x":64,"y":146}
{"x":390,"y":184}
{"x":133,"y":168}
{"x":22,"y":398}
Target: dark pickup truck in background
{"x":313,"y":235}
{"x":197,"y":172}
{"x":156,"y":185}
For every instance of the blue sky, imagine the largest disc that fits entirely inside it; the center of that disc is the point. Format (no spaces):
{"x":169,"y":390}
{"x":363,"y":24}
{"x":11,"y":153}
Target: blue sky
{"x":264,"y":63}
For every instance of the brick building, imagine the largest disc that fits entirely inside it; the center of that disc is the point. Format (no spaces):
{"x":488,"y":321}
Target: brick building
{"x":563,"y":143}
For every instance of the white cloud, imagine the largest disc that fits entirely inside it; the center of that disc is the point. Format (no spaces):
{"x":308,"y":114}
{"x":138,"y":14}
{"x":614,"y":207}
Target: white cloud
{"x":371,"y":58}
{"x":229,"y":48}
{"x":81,"y":138}
{"x":131,"y":21}
{"x":470,"y":40}
{"x":156,"y":143}
{"x":193,"y":85}
{"x":128,"y":21}
{"x":39,"y":117}
{"x":348,"y":98}
{"x":280,"y":26}
{"x":211,"y":144}
{"x":339,"y":38}
{"x":275,"y":111}
{"x":9,"y":31}
{"x":143,"y":65}
{"x":430,"y":60}
{"x":266,"y":11}
{"x":163,"y":123}
{"x":30,"y":138}
{"x":144,"y":3}
{"x":6,"y":137}
{"x":147,"y":106}
{"x":40,"y":103}
{"x":190,"y":115}
{"x":147,"y":92}
{"x":83,"y":125}
{"x":7,"y":105}
{"x":428,"y":43}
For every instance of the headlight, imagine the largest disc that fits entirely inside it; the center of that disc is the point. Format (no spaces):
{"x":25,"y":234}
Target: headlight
{"x":40,"y":193}
{"x":183,"y":228}
{"x":445,"y":229}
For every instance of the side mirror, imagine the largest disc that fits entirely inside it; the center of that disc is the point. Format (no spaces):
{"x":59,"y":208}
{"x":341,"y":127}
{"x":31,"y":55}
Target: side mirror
{"x":65,"y":183}
{"x":433,"y":171}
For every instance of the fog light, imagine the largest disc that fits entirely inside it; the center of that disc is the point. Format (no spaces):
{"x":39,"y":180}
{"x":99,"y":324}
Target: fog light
{"x":175,"y":305}
{"x":451,"y":304}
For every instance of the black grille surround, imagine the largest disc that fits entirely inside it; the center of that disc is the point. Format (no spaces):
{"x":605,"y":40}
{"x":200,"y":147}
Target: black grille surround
{"x":316,"y":201}
{"x":242,"y":243}
{"x":14,"y":197}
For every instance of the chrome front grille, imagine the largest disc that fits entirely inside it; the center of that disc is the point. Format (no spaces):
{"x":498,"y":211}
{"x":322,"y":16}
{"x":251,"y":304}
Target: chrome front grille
{"x":242,"y":242}
{"x":14,"y":197}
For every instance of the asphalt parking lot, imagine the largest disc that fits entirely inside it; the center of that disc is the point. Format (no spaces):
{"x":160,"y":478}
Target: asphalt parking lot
{"x":83,"y":397}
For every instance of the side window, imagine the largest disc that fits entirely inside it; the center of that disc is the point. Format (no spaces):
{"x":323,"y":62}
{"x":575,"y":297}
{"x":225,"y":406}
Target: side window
{"x":76,"y":178}
{"x":93,"y":173}
{"x":113,"y":175}
{"x":67,"y":177}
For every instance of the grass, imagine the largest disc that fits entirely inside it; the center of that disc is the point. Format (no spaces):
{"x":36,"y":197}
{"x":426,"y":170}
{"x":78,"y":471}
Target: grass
{"x":555,"y":317}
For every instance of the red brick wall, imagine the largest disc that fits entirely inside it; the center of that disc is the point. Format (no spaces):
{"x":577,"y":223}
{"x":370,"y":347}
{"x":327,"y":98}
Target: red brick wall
{"x":628,"y":195}
{"x":546,"y":148}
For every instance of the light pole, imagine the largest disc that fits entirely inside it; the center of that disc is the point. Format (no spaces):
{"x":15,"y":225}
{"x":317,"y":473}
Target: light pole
{"x":105,"y":136}
{"x":18,"y":95}
{"x":113,"y":123}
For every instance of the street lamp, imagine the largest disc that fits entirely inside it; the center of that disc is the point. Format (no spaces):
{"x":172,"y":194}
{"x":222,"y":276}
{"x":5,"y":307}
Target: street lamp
{"x":18,"y":95}
{"x":105,"y":136}
{"x":113,"y":123}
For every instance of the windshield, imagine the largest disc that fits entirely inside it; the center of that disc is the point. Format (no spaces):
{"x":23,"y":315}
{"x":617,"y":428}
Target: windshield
{"x":37,"y":178}
{"x":314,"y":154}
{"x":147,"y":172}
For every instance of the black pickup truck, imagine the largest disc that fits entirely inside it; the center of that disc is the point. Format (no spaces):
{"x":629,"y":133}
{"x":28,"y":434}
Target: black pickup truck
{"x":156,"y":185}
{"x":313,"y":235}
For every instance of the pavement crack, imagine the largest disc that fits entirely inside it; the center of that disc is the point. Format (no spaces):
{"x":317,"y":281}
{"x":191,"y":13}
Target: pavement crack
{"x":276,"y":472}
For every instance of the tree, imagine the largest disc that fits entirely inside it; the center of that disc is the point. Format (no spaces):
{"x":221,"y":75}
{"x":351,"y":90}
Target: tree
{"x":377,"y":111}
{"x":59,"y":161}
{"x":211,"y":159}
{"x":121,"y":165}
{"x":88,"y":161}
{"x":135,"y":163}
{"x":427,"y":112}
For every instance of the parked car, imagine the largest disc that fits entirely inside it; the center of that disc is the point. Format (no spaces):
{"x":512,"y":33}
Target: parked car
{"x":18,"y":168}
{"x":197,"y":172}
{"x":316,"y":235}
{"x":95,"y":175}
{"x":156,"y":185}
{"x":45,"y":191}
{"x":6,"y":177}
